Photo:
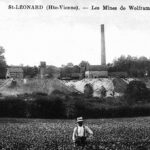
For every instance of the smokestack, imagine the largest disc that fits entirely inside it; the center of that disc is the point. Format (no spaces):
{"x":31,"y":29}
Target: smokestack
{"x":103,"y":55}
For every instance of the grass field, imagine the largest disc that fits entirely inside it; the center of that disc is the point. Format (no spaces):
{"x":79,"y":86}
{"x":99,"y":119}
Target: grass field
{"x":39,"y":134}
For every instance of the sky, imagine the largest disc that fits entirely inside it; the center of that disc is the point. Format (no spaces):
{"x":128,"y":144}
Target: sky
{"x":62,"y":36}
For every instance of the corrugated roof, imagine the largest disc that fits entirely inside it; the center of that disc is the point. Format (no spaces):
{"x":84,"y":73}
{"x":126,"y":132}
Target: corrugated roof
{"x":97,"y":68}
{"x":15,"y":69}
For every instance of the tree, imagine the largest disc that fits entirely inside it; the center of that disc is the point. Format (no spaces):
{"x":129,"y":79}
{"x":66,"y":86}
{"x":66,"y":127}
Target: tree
{"x":52,"y":72}
{"x":84,"y":64}
{"x":66,"y":72}
{"x":70,"y":64}
{"x":103,"y":91}
{"x":136,"y":91}
{"x":3,"y":65}
{"x":30,"y":72}
{"x":88,"y":90}
{"x":143,"y":58}
{"x":133,"y":66}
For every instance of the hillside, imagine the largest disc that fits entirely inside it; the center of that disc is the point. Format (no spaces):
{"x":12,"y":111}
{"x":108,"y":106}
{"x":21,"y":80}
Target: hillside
{"x":114,"y":86}
{"x":110,"y":84}
{"x":34,"y":85}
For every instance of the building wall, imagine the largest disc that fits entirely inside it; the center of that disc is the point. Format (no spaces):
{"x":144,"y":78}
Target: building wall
{"x":96,"y":74}
{"x":14,"y":74}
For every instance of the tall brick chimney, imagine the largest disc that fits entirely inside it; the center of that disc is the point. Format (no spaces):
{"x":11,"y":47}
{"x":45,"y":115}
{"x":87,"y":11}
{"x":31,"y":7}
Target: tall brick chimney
{"x":103,"y":54}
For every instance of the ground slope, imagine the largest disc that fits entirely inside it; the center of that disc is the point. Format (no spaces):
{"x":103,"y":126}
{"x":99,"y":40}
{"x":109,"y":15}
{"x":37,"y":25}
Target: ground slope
{"x":34,"y":85}
{"x":113,"y":86}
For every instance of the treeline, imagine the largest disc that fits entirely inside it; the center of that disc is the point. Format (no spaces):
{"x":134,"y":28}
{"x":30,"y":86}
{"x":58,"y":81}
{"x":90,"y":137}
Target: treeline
{"x":3,"y":65}
{"x":135,"y":67}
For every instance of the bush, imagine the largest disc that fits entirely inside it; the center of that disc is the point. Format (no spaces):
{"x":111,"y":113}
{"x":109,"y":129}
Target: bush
{"x":12,"y":107}
{"x":13,"y":84}
{"x":71,"y":107}
{"x":45,"y":107}
{"x":103,"y":91}
{"x":88,"y":90}
{"x":136,"y":91}
{"x":57,"y":92}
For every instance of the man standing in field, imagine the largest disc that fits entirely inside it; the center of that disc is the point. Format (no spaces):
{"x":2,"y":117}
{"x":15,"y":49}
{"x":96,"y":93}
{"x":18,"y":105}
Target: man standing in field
{"x":81,"y":133}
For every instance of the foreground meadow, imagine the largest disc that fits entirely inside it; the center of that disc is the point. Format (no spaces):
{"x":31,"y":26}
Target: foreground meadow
{"x":40,"y":134}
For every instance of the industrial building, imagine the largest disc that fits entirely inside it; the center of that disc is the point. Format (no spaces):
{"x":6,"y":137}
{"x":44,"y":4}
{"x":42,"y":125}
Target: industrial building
{"x":14,"y":72}
{"x":98,"y":71}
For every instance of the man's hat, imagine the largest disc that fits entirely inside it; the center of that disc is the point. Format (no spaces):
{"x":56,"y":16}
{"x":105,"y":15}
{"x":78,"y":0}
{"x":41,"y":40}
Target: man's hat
{"x":80,"y":119}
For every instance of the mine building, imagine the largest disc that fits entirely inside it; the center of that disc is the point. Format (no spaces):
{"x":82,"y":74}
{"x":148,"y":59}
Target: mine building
{"x":90,"y":71}
{"x":96,"y":71}
{"x":14,"y":72}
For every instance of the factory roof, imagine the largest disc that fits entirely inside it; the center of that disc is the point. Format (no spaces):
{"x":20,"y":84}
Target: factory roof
{"x":97,"y":68}
{"x":15,"y":69}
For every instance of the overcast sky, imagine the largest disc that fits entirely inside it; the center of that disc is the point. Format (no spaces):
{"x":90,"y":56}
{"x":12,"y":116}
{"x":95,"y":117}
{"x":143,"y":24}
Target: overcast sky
{"x":59,"y":37}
